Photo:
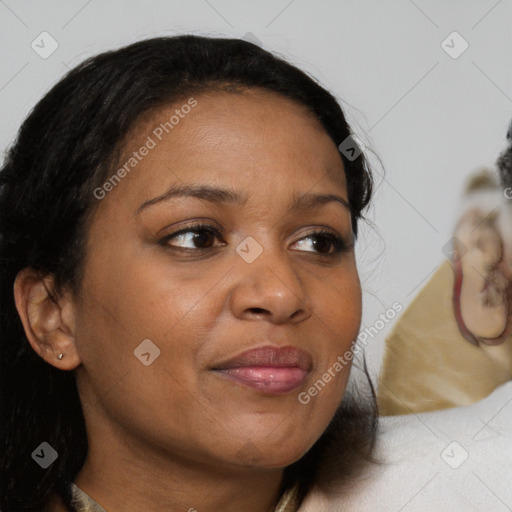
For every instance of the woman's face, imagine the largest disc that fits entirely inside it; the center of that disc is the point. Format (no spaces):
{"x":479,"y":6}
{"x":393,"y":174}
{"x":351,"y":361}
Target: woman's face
{"x":165,"y":320}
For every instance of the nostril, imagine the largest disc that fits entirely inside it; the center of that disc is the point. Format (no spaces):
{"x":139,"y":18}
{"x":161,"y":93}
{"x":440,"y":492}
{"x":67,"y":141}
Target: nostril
{"x":257,"y":310}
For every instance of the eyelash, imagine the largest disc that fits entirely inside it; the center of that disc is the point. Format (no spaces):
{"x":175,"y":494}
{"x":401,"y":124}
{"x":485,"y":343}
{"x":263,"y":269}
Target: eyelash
{"x":336,"y":241}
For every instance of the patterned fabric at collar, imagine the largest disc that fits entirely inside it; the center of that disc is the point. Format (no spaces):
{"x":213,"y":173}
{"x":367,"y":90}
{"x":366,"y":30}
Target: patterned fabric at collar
{"x":289,"y":501}
{"x":82,"y":502}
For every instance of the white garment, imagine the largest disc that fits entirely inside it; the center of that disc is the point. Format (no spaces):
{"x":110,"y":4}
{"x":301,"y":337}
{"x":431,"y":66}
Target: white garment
{"x":454,"y":460}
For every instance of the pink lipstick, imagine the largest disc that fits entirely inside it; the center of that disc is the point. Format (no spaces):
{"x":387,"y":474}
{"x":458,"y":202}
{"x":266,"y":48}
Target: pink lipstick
{"x":269,"y":369}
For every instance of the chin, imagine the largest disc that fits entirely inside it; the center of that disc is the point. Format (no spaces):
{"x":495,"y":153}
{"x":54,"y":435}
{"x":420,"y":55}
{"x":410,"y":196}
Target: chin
{"x":272,"y":455}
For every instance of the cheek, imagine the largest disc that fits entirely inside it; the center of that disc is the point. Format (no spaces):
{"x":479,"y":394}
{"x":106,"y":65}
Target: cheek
{"x":127,"y":300}
{"x":338,"y":304}
{"x":143,"y":297}
{"x":127,"y":308}
{"x":339,"y":316}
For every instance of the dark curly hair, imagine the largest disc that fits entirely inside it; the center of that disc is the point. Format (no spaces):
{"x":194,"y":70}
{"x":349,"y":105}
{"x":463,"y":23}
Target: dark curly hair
{"x":504,"y":161}
{"x":68,"y":146}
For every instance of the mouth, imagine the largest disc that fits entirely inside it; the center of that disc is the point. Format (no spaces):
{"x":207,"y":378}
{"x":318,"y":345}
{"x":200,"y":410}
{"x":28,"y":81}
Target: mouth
{"x":268,"y":369}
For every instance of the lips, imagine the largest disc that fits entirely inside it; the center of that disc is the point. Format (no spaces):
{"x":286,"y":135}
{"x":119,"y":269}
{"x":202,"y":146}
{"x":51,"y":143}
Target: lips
{"x":268,"y":369}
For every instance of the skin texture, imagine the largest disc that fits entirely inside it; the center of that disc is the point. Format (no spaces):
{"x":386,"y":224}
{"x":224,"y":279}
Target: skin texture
{"x":175,"y":435}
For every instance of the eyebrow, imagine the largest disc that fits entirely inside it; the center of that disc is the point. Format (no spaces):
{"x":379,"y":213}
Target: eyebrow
{"x":300,"y":202}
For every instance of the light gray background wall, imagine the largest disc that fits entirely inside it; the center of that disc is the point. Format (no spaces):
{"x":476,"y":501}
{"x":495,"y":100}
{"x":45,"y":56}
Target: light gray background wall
{"x":430,"y":117}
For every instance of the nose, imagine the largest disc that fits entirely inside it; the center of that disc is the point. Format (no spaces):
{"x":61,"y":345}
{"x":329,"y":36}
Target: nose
{"x":270,"y":289}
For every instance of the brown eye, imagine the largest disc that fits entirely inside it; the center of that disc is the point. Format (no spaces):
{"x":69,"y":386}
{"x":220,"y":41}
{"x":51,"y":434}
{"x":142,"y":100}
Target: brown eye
{"x":193,"y":238}
{"x":322,"y":242}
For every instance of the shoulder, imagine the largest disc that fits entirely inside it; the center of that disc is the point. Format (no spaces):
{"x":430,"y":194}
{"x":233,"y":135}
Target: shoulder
{"x":444,"y":460}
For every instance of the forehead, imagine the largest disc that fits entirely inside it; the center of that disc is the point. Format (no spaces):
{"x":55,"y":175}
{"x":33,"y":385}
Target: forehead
{"x":252,"y":138}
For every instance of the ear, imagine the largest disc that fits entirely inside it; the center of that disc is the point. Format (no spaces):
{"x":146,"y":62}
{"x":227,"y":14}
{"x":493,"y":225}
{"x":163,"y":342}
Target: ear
{"x":48,"y":319}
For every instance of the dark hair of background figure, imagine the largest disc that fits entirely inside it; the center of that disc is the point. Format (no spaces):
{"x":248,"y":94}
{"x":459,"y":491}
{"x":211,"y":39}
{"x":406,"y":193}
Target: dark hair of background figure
{"x":504,"y":162}
{"x":69,"y":145}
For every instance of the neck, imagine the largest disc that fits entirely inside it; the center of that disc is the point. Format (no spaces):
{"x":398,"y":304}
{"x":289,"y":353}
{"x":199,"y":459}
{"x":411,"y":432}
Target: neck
{"x":124,"y":477}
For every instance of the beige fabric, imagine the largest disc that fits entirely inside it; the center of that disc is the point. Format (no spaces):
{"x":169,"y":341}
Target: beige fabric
{"x":288,"y":502}
{"x":84,"y":503}
{"x":428,"y":365}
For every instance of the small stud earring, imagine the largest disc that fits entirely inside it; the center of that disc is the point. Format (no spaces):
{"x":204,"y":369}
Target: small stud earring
{"x":60,"y":356}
